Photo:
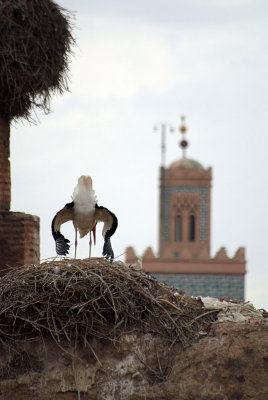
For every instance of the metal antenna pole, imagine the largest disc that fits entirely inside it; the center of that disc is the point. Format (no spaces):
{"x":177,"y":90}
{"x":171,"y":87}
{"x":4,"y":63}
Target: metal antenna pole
{"x":163,"y":128}
{"x":163,"y":145}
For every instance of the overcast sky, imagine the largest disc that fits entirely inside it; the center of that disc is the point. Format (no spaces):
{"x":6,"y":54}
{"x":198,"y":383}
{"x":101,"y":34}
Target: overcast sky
{"x":141,"y":63}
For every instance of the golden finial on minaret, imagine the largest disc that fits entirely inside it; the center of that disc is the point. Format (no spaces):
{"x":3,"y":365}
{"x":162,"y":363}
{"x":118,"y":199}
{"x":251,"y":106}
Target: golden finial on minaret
{"x":183,"y":143}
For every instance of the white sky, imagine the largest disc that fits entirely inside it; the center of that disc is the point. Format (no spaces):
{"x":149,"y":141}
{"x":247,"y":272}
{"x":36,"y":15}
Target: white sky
{"x":137,"y":64}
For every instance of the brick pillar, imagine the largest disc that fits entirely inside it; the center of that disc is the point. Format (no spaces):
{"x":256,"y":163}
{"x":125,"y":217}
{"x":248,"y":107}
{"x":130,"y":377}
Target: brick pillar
{"x":5,"y":191}
{"x":19,"y":239}
{"x":19,"y":232}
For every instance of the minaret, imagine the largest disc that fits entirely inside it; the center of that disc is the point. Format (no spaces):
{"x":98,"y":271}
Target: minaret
{"x":183,"y":259}
{"x":184,"y":206}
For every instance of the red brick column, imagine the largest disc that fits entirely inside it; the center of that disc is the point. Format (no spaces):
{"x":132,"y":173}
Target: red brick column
{"x":4,"y":165}
{"x":19,"y":239}
{"x":19,"y":232}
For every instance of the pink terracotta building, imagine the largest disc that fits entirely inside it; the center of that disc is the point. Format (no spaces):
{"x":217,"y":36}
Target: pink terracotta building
{"x":184,"y":259}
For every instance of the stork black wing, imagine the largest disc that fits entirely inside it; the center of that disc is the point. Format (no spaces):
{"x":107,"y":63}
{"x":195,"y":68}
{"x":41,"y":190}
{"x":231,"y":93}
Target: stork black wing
{"x":64,"y":215}
{"x":62,"y":244}
{"x":110,"y":225}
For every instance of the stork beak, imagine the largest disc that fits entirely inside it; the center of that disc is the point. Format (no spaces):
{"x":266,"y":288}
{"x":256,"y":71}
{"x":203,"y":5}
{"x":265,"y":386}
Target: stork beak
{"x":94,"y":234}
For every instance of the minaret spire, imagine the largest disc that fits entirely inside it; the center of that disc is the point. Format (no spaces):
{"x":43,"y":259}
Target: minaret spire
{"x":183,"y":143}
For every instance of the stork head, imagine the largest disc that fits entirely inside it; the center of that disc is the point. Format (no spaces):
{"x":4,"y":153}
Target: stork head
{"x":85,"y":181}
{"x":83,"y":187}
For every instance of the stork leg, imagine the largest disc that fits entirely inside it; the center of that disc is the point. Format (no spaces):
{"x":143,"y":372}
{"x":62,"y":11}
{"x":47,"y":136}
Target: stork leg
{"x":94,"y":233}
{"x":75,"y":243}
{"x":90,"y":244}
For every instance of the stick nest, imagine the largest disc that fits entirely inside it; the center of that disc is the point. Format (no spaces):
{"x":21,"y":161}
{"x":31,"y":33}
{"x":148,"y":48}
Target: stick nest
{"x":80,"y":299}
{"x":35,"y":44}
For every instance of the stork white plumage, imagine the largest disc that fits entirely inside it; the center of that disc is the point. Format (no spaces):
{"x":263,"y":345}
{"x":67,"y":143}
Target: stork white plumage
{"x":85,"y":213}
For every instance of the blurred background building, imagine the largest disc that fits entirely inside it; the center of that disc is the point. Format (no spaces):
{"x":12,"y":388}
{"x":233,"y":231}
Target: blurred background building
{"x":184,"y":259}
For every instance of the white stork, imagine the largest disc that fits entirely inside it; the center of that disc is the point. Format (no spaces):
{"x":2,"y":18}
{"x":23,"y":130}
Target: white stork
{"x":85,"y":213}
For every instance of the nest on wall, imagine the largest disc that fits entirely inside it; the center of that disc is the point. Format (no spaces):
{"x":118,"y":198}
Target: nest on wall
{"x":75,"y":300}
{"x":35,"y":45}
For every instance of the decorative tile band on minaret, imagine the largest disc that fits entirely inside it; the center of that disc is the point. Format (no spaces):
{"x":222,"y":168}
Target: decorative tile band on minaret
{"x":203,"y":192}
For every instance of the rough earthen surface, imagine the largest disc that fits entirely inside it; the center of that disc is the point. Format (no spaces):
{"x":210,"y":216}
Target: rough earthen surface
{"x":229,"y":363}
{"x":95,"y":330}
